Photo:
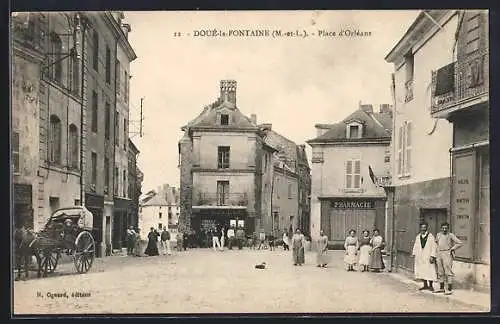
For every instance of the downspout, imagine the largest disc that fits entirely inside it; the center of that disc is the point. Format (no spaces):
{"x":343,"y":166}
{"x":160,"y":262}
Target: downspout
{"x":82,"y":108}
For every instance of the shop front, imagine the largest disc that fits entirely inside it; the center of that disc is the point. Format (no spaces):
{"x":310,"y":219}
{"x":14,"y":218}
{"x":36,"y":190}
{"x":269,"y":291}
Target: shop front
{"x":95,"y":204}
{"x":339,"y":215}
{"x":23,"y":205}
{"x":206,"y":219}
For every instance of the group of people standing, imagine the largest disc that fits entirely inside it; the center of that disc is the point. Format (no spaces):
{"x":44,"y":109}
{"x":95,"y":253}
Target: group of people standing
{"x":434,"y":258}
{"x":235,"y":235}
{"x":365,"y":252}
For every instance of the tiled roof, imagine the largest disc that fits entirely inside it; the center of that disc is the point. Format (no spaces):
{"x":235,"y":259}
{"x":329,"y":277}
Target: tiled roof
{"x":156,"y":200}
{"x":287,"y":147}
{"x":375,"y":126}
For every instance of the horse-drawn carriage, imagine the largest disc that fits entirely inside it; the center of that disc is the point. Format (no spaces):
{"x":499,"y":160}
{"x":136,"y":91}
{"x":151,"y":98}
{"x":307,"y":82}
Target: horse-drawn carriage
{"x":68,"y":231}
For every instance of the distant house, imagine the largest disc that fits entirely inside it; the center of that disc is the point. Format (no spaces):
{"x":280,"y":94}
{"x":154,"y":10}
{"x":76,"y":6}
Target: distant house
{"x":153,"y":212}
{"x":346,"y":156}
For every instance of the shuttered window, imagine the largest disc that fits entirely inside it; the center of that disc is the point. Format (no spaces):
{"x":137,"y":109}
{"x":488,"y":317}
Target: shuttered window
{"x":353,"y":174}
{"x":404,"y":149}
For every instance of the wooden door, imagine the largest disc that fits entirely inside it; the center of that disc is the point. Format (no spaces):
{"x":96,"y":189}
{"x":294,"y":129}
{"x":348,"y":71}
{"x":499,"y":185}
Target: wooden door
{"x":434,"y":217}
{"x":344,"y":220}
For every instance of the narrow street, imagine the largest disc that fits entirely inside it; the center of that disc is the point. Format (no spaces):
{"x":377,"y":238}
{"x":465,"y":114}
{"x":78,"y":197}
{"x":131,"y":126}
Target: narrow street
{"x":203,"y":281}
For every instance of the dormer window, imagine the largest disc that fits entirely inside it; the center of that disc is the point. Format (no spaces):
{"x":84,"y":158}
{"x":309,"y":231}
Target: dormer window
{"x":224,"y":119}
{"x":354,"y":130}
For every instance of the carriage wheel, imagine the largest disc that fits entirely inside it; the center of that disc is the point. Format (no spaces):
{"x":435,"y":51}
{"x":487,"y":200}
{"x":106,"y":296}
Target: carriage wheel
{"x":49,"y":260}
{"x":84,"y":252}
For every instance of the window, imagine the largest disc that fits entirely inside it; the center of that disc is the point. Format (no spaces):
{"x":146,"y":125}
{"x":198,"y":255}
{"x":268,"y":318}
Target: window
{"x":55,"y":58}
{"x":124,"y":187}
{"x":95,"y":50}
{"x":15,"y":151}
{"x":117,"y":128}
{"x":73,"y":147}
{"x":107,"y":120}
{"x":354,"y":131}
{"x":55,"y":139}
{"x":126,"y":84}
{"x":94,"y":168}
{"x":404,"y":149}
{"x":224,"y":119}
{"x":54,"y":203}
{"x":116,"y":180}
{"x":473,"y":34}
{"x":125,"y":134}
{"x":159,"y":215}
{"x":94,"y":111}
{"x":353,"y":174}
{"x":223,"y":156}
{"x":106,"y":175}
{"x":222,"y":193}
{"x":118,"y":78}
{"x":108,"y":65}
{"x":409,"y":70}
{"x":289,"y":191}
{"x":77,"y":202}
{"x":75,"y":76}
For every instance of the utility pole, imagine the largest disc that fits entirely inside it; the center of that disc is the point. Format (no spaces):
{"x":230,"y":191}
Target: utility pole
{"x":140,"y":122}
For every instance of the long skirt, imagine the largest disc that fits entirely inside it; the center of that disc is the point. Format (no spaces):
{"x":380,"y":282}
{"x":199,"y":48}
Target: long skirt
{"x":350,"y":256}
{"x":152,"y":248}
{"x":323,"y":257}
{"x":364,"y":255}
{"x":376,"y":262}
{"x":298,"y":255}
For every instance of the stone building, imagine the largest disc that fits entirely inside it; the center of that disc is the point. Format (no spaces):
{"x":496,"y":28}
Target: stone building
{"x":71,"y":99}
{"x":28,"y":51}
{"x":135,"y":179}
{"x":346,"y":156}
{"x":460,"y":94}
{"x":228,"y":166}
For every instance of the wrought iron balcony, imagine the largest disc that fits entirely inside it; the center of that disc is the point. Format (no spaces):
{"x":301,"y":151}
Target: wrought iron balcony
{"x":460,"y":84}
{"x":219,"y":199}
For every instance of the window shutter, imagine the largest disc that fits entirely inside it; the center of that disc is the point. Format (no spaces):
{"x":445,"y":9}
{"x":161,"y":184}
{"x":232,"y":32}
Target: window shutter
{"x":408,"y":138}
{"x":348,"y":174}
{"x":357,"y":174}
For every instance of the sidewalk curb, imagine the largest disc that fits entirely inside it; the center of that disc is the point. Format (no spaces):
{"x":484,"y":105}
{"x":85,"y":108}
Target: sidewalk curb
{"x":471,"y":298}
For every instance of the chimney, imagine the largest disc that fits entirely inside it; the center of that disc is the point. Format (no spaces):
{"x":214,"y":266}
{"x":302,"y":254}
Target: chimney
{"x":386,"y":109}
{"x":228,"y":90}
{"x":367,"y":108}
{"x":253,"y":117}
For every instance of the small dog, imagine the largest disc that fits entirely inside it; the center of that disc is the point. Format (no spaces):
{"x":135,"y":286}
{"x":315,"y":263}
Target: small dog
{"x":261,"y":266}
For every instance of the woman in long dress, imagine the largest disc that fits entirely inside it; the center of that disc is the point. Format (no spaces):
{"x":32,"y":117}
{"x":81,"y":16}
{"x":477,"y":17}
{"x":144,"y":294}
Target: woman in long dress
{"x":298,"y":245}
{"x":322,"y":257}
{"x":377,"y":242}
{"x":351,"y":250}
{"x":152,"y":248}
{"x":286,"y":242}
{"x":364,"y":251}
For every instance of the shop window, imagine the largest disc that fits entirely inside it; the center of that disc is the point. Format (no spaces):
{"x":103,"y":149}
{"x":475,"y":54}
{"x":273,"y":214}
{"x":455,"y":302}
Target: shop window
{"x":55,"y":140}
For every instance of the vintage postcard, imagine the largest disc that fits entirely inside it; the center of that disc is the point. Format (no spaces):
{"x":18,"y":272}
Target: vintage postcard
{"x":197,"y":162}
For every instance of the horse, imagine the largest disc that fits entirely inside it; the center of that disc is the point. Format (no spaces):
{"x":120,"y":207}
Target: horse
{"x":24,"y":250}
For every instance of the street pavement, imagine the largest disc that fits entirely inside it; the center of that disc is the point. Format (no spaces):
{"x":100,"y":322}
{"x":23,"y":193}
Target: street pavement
{"x":204,"y":281}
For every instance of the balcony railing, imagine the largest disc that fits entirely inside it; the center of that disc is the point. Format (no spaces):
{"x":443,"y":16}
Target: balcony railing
{"x":459,"y":82}
{"x":219,"y":199}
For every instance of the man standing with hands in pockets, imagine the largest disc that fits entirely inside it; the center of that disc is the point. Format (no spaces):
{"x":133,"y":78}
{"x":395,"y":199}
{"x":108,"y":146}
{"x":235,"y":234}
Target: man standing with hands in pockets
{"x":446,"y":244}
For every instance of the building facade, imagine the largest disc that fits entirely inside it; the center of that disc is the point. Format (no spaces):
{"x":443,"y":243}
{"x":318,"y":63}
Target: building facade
{"x":135,"y":179}
{"x":229,"y":170}
{"x":346,"y":157}
{"x":28,"y":49}
{"x":460,"y":94}
{"x":304,"y":190}
{"x":420,"y":143}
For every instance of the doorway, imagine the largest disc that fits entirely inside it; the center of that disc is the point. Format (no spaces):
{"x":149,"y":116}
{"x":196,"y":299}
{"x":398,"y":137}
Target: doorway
{"x":434,"y":217}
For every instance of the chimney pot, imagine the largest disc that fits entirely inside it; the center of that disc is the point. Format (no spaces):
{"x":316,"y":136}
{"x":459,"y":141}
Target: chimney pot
{"x":228,"y":90}
{"x":254,"y":118}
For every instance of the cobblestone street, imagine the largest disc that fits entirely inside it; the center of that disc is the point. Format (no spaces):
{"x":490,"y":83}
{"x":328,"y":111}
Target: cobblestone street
{"x":203,"y":281}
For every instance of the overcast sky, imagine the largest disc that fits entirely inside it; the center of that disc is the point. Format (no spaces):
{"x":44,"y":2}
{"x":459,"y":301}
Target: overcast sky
{"x":292,"y":83}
